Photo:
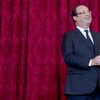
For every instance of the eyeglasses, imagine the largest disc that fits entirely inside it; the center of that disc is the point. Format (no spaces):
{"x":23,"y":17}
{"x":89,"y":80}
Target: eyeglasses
{"x":84,"y":12}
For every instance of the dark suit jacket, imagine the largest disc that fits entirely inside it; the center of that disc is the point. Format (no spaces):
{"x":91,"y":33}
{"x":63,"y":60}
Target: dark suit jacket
{"x":81,"y":78}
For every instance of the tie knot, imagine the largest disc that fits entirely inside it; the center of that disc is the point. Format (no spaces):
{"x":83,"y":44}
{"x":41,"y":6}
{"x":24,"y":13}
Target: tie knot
{"x":86,"y":31}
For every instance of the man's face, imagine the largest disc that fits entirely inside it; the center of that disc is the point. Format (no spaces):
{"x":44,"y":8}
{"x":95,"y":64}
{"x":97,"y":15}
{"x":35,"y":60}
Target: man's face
{"x":83,"y":15}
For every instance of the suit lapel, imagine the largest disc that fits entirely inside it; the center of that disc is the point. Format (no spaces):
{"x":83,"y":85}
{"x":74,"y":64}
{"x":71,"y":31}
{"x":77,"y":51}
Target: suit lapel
{"x":83,"y":38}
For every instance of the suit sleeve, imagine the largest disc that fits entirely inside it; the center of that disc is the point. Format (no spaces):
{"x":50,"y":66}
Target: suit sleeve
{"x":69,"y":56}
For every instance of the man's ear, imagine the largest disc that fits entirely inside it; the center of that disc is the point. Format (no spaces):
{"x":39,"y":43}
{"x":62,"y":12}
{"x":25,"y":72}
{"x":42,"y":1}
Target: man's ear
{"x":75,"y":18}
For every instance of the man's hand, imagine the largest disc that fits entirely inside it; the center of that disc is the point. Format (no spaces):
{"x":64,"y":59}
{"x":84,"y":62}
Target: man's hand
{"x":96,"y":61}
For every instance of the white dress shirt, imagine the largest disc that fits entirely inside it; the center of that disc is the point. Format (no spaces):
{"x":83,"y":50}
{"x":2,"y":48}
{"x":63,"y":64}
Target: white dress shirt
{"x":84,"y":33}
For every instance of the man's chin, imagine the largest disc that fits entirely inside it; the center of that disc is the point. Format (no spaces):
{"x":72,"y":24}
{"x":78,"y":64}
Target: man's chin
{"x":88,"y":21}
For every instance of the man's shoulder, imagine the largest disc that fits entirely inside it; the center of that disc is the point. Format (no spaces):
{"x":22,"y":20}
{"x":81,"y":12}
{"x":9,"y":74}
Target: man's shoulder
{"x":96,"y":36}
{"x":97,"y":33}
{"x":70,"y":32}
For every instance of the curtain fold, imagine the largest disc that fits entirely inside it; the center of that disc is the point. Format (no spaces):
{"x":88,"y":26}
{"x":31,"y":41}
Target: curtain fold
{"x":31,"y":63}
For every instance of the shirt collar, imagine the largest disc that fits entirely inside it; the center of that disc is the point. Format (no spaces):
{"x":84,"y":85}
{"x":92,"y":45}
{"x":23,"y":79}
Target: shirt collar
{"x":82,"y":29}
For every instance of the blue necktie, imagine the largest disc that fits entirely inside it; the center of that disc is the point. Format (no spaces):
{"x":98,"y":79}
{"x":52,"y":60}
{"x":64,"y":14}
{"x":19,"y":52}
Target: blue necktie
{"x":87,"y":36}
{"x":89,"y":40}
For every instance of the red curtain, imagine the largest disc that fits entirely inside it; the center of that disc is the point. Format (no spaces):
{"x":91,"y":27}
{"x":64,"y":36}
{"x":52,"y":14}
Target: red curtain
{"x":31,"y":63}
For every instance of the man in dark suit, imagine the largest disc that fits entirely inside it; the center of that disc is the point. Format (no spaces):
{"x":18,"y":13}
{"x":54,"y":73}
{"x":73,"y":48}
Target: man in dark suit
{"x":81,"y":52}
